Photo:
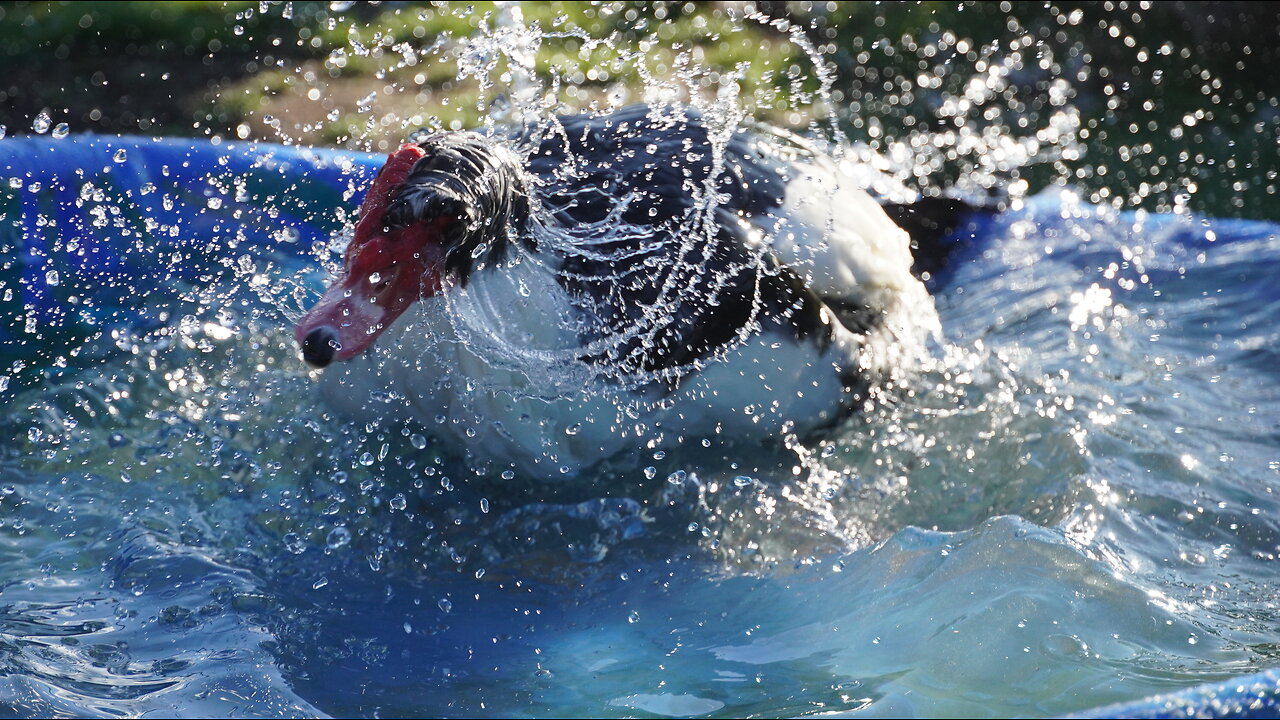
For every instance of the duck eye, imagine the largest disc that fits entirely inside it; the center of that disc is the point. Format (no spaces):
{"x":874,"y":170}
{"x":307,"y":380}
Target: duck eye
{"x":381,"y":280}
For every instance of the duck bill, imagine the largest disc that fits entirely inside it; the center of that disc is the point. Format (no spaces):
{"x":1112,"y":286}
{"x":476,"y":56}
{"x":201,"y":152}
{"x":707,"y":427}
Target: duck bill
{"x":356,"y":310}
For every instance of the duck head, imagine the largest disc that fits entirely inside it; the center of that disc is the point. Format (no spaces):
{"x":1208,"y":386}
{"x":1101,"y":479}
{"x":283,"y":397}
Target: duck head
{"x":435,"y":212}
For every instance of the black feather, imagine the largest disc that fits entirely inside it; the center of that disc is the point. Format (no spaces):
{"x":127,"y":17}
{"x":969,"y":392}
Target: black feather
{"x":466,"y":177}
{"x":937,"y":226}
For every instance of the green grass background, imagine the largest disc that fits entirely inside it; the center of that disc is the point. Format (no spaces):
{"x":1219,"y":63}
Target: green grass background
{"x":1176,"y":102}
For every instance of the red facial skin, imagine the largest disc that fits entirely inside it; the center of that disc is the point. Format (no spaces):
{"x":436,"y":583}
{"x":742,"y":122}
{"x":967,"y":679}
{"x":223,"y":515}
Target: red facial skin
{"x":385,"y":271}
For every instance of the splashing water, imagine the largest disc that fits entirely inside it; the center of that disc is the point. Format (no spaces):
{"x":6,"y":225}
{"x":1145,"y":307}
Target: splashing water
{"x":1065,"y":501}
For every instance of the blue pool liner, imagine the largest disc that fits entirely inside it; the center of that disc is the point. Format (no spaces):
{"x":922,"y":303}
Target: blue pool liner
{"x":112,"y":216}
{"x":99,"y":230}
{"x":1252,"y":696}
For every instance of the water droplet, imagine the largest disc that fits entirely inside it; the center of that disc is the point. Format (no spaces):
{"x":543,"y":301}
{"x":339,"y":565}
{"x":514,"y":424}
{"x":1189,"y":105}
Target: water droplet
{"x":650,"y":472}
{"x":294,"y":543}
{"x":742,"y":481}
{"x":41,"y":122}
{"x":51,"y":277}
{"x":408,"y":629}
{"x":445,"y":604}
{"x":120,"y":156}
{"x":508,"y":475}
{"x":633,"y":617}
{"x":320,"y":583}
{"x":418,"y":441}
{"x":398,"y":502}
{"x":61,"y":130}
{"x":366,"y":459}
{"x":484,"y":505}
{"x":337,"y":538}
{"x":573,"y":429}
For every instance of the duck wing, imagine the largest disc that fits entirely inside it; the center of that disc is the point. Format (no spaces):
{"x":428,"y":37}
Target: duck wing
{"x":658,"y":226}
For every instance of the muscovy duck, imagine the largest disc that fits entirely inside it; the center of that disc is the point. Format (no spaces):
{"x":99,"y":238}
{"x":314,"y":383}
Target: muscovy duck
{"x":609,"y":281}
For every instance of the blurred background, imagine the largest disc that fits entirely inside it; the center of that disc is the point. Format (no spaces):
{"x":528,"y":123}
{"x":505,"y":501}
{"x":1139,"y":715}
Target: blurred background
{"x":1168,"y":104}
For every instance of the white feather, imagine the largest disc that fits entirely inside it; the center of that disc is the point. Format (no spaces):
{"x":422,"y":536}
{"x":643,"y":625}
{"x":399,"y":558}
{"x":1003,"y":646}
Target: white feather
{"x":834,"y":234}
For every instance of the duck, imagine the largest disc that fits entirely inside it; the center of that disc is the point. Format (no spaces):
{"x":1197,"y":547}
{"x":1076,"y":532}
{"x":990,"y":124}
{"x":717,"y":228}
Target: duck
{"x":550,"y":297}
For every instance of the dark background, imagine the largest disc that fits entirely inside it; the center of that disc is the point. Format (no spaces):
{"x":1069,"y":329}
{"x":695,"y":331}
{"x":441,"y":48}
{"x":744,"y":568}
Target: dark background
{"x":1177,"y":101}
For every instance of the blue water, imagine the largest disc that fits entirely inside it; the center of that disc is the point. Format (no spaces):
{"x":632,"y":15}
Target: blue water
{"x":1073,"y":506}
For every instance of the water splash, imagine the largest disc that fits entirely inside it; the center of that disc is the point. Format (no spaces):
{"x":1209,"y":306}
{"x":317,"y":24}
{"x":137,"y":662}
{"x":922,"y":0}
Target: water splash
{"x":1103,"y":376}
